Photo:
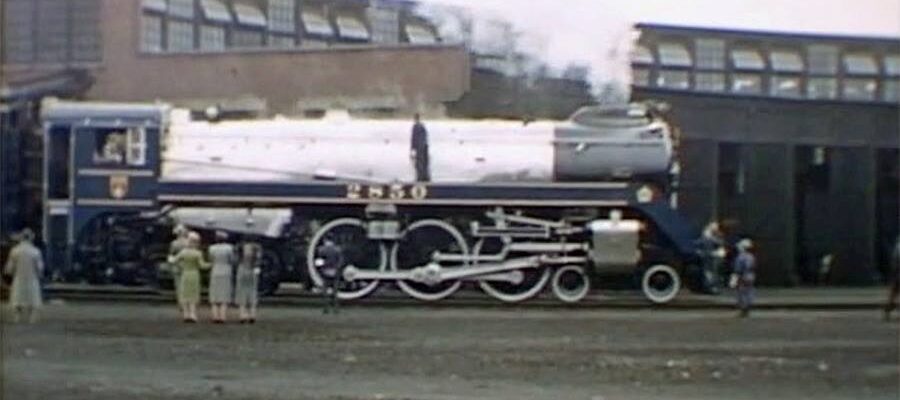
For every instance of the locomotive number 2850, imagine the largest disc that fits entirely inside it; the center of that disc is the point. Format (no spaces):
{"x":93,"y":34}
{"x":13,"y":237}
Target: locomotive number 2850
{"x":392,"y":192}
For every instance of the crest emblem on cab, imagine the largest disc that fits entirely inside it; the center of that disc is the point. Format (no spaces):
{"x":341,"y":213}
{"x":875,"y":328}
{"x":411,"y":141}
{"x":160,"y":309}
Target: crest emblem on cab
{"x":118,"y":186}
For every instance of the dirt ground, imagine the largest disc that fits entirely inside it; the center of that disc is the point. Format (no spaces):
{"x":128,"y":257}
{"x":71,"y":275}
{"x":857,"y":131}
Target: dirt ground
{"x":141,"y":351}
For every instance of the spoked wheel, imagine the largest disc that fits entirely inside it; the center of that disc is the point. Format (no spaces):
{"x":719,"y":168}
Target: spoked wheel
{"x":359,"y":251}
{"x":660,"y":283}
{"x":571,"y":283}
{"x":528,"y":283}
{"x":421,"y":240}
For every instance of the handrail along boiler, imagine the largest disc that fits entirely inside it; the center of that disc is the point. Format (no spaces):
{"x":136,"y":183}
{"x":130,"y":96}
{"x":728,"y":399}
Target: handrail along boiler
{"x":510,"y":207}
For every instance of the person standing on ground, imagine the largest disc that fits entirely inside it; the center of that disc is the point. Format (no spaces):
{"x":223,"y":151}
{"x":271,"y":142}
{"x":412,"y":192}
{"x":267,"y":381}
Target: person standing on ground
{"x":711,"y":246}
{"x":331,"y":263}
{"x":26,"y":265}
{"x":222,"y":258}
{"x":180,"y":243}
{"x":246,"y":293}
{"x":894,"y":276}
{"x":190,"y":261}
{"x":744,"y":276}
{"x":418,"y":150}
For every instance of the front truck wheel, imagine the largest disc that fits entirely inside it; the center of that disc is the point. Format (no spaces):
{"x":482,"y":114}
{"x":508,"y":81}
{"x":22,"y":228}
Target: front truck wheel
{"x":660,"y":283}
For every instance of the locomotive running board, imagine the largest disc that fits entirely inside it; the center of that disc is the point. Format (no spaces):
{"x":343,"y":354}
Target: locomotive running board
{"x":433,"y":273}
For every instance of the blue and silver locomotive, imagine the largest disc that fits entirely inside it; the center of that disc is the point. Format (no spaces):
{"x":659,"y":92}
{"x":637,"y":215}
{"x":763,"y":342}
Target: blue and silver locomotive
{"x":507,"y":206}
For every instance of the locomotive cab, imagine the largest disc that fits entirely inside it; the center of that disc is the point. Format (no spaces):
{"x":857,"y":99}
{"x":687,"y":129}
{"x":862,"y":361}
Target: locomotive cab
{"x":98,"y":159}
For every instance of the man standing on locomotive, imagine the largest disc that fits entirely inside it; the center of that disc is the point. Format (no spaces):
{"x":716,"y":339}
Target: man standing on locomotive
{"x":418,"y":150}
{"x":331,"y":262}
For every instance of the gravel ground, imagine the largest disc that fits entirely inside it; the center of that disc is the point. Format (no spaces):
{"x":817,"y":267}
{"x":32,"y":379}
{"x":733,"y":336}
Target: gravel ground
{"x":141,"y":351}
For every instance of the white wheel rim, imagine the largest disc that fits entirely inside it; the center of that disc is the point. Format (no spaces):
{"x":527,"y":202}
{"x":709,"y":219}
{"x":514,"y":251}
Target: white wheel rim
{"x":658,"y":296}
{"x":511,"y":297}
{"x":311,"y":258}
{"x":410,"y":289}
{"x":567,"y":295}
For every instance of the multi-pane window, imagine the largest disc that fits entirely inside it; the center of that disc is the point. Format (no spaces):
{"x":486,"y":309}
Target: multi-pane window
{"x":351,"y":27}
{"x":385,"y":25}
{"x":85,"y":30}
{"x":785,"y":86}
{"x":747,"y":59}
{"x":246,"y":38}
{"x":892,"y":65}
{"x":151,"y":34}
{"x":673,"y":79}
{"x":154,"y":5}
{"x":859,"y":88}
{"x":786,"y":61}
{"x":641,"y":55}
{"x":52,"y":36}
{"x":746,"y":83}
{"x":181,"y":8}
{"x":890,"y":90}
{"x":180,"y":35}
{"x":821,"y":88}
{"x":420,"y":34}
{"x":248,"y":15}
{"x":212,"y":38}
{"x":709,"y":81}
{"x":18,"y":34}
{"x":316,"y":23}
{"x":640,"y":77}
{"x":860,"y":64}
{"x":137,"y":147}
{"x":281,"y":16}
{"x":215,"y":11}
{"x":710,"y":53}
{"x":822,"y":59}
{"x":674,"y":55}
{"x":281,"y":41}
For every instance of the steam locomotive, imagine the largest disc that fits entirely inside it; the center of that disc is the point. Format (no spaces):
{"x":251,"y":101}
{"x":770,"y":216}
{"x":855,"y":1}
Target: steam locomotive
{"x":508,"y":206}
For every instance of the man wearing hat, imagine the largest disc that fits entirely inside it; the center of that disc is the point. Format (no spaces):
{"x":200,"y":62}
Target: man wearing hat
{"x":331,"y":264}
{"x":744,"y":276}
{"x":26,"y":265}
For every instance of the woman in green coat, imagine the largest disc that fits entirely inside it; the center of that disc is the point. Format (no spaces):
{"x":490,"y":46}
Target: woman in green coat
{"x":190,"y":261}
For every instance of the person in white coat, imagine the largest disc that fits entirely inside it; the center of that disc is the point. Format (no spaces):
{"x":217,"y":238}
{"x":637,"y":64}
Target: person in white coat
{"x":26,"y":265}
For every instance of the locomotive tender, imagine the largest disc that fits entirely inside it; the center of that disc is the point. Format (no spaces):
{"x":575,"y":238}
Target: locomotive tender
{"x":510,"y":206}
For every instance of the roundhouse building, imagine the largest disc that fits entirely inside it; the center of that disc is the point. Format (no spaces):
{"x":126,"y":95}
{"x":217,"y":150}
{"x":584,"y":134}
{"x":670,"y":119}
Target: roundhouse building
{"x":791,"y":139}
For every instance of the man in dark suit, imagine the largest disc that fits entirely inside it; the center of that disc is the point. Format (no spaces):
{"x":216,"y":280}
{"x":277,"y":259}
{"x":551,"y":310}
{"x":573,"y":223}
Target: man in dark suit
{"x":419,"y":150}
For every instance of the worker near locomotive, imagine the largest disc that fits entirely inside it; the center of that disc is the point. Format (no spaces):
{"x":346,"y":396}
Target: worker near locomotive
{"x":510,"y":207}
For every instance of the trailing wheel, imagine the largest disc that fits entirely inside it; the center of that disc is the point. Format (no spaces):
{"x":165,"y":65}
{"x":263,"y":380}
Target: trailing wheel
{"x":421,"y":240}
{"x":660,"y":283}
{"x":528,"y":282}
{"x":570,"y":283}
{"x":359,"y":251}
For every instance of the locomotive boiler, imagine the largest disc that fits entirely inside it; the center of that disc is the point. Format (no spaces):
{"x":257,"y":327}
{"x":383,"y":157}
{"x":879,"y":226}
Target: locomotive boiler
{"x":595,"y":144}
{"x":510,"y":207}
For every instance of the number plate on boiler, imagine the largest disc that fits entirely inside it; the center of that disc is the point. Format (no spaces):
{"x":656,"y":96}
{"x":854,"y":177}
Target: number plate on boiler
{"x":386,"y":192}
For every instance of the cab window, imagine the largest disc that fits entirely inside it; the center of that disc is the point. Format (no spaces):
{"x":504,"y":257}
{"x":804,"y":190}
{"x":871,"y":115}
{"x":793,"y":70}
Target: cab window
{"x":120,"y":146}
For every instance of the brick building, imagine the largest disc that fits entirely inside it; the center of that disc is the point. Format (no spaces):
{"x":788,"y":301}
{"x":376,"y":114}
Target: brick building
{"x":791,"y":139}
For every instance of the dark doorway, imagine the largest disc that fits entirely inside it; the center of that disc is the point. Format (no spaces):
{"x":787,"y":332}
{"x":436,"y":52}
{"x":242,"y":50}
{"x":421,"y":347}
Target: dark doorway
{"x":812,"y":187}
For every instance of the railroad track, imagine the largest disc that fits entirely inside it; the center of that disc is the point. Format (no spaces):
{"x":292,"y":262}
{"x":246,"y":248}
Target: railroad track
{"x":294,"y":295}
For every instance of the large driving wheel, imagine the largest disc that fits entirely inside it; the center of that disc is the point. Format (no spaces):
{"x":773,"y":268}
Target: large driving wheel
{"x":359,"y":251}
{"x":421,"y":240}
{"x":528,"y":283}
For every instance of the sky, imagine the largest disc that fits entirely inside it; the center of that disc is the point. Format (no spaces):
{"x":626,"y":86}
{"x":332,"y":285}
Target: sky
{"x":597,"y":32}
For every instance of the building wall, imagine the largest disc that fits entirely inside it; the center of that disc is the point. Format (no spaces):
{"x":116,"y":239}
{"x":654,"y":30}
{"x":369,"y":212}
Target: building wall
{"x":401,"y":77}
{"x":747,"y":162}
